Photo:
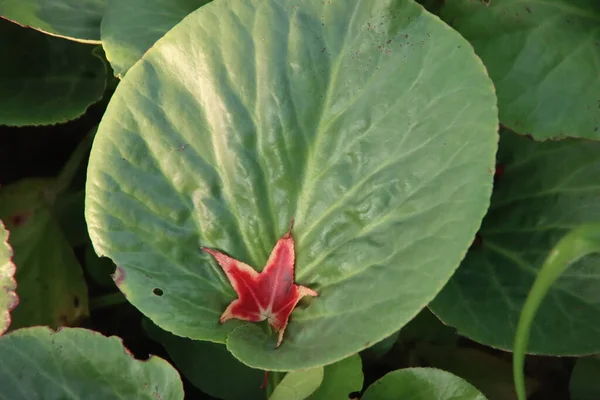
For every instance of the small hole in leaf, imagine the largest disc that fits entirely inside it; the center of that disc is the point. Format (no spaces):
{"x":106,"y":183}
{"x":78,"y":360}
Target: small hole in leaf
{"x":157,"y":291}
{"x":75,"y":301}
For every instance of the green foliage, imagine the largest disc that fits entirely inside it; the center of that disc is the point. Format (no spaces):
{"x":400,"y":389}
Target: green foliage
{"x":431,"y":242}
{"x":77,"y":20}
{"x":47,"y":80}
{"x":543,"y":57}
{"x":298,"y":385}
{"x":227,"y":160}
{"x":77,"y":363}
{"x":210,"y":367}
{"x":131,"y":27}
{"x":547,"y":190}
{"x":421,"y":384}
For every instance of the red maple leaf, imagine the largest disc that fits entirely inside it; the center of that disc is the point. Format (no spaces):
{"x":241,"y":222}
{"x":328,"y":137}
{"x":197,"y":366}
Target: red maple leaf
{"x":270,"y":294}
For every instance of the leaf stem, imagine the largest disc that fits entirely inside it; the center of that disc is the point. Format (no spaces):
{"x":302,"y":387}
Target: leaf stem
{"x":70,"y":168}
{"x":575,"y":245}
{"x":107,"y":300}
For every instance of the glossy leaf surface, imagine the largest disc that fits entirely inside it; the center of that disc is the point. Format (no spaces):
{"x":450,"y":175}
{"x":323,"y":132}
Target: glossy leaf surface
{"x":211,"y":140}
{"x":131,"y":27}
{"x":543,"y":57}
{"x":71,"y":19}
{"x":46,"y":80}
{"x":76,"y":363}
{"x":8,"y":296}
{"x":421,"y":384}
{"x":546,"y":191}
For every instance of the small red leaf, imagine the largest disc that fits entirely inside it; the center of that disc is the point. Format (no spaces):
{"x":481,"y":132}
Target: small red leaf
{"x":270,"y":294}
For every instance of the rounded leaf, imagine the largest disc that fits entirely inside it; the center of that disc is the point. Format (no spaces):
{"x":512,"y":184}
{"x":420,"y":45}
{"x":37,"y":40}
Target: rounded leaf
{"x":8,"y":296}
{"x":341,"y":115}
{"x":546,"y":190}
{"x":82,"y":364}
{"x":543,"y":57}
{"x":46,"y":80}
{"x":77,"y":20}
{"x":421,"y":384}
{"x":131,"y":27}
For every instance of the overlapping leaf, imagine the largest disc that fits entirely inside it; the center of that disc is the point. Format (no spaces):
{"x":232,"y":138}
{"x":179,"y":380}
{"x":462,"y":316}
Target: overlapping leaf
{"x":340,"y":379}
{"x":72,"y":19}
{"x":421,"y":384}
{"x":76,"y":363}
{"x":210,"y":367}
{"x":543,"y":57}
{"x":46,"y":80}
{"x":371,"y":123}
{"x":51,"y":287}
{"x":8,"y":296}
{"x":298,"y":385}
{"x":131,"y":27}
{"x":546,"y":191}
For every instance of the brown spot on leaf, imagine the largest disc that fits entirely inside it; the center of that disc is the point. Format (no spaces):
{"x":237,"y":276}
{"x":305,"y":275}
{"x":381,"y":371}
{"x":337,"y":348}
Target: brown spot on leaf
{"x":20,"y":218}
{"x":118,"y":276}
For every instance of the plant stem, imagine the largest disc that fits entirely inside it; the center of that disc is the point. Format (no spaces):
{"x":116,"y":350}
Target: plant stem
{"x":573,"y":246}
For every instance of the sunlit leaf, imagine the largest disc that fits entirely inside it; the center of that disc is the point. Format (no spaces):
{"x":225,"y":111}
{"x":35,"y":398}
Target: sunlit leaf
{"x":363,"y":135}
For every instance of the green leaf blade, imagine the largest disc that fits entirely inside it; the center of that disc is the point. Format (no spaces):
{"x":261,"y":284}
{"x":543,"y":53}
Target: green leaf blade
{"x":210,"y":140}
{"x":543,"y":58}
{"x":421,"y":384}
{"x":547,"y":190}
{"x":80,"y":364}
{"x":51,"y":286}
{"x":77,"y":20}
{"x":130,"y":28}
{"x":48,"y":80}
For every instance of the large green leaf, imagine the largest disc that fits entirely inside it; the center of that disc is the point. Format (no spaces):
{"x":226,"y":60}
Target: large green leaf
{"x":543,"y":57}
{"x":51,"y":287}
{"x":46,"y":80}
{"x":131,"y":27}
{"x":8,"y":296}
{"x":421,"y":384}
{"x":371,"y":123}
{"x":76,"y":363}
{"x":340,"y":379}
{"x":585,"y":379}
{"x":72,"y":19}
{"x":210,"y":367}
{"x":547,"y":190}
